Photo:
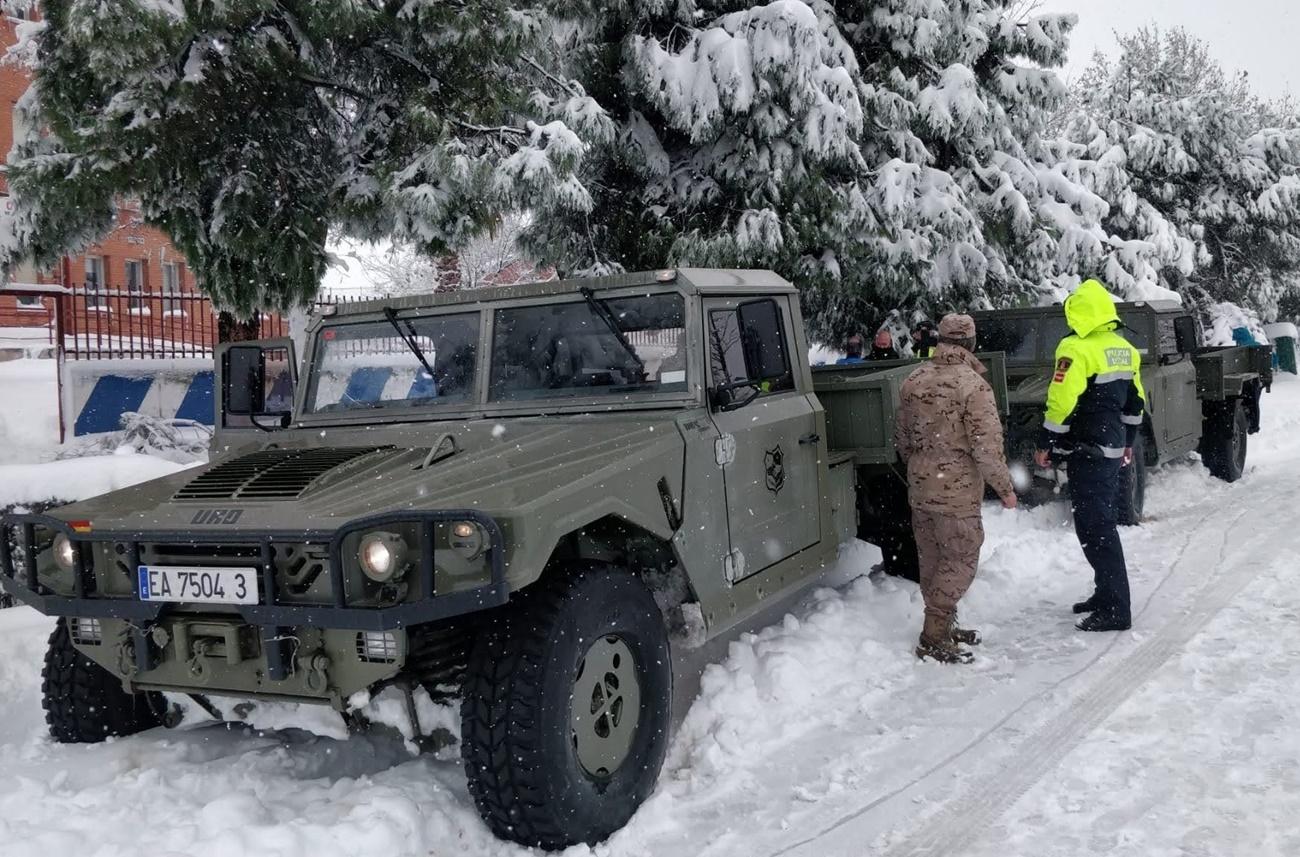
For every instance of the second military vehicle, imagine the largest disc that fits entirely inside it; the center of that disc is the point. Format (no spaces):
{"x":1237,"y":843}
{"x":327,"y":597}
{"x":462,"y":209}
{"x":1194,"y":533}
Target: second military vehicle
{"x":1198,"y":399}
{"x":506,"y":495}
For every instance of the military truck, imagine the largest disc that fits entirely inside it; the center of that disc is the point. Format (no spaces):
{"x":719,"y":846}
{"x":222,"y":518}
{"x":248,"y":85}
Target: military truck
{"x":522,"y":497}
{"x":1198,"y":399}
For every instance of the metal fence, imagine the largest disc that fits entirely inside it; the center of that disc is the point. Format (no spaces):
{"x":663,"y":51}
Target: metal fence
{"x":116,"y":323}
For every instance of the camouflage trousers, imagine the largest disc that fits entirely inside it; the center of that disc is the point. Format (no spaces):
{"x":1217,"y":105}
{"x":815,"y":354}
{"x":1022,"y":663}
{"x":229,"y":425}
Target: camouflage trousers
{"x":949,"y":552}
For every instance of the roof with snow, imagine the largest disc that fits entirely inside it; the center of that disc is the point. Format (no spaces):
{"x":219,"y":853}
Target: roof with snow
{"x":704,"y":281}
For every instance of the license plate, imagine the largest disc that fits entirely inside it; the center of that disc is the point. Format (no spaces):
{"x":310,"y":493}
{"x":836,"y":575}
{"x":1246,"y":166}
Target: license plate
{"x":178,"y":584}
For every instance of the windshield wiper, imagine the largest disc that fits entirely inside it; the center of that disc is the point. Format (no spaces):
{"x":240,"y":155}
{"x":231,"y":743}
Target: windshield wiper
{"x":408,"y":336}
{"x":602,"y":311}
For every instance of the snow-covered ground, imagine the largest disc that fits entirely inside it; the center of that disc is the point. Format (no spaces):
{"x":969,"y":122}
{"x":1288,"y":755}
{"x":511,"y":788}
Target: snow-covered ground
{"x":821,"y":735}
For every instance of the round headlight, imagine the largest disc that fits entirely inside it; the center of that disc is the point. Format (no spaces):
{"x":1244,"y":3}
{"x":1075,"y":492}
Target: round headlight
{"x":65,"y":554}
{"x":467,"y":539}
{"x":382,"y":556}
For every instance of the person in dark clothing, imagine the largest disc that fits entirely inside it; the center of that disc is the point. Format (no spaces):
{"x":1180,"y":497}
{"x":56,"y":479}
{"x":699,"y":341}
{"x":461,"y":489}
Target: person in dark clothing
{"x":883,"y":347}
{"x":1094,"y":411}
{"x":924,"y":339}
{"x":852,"y":351}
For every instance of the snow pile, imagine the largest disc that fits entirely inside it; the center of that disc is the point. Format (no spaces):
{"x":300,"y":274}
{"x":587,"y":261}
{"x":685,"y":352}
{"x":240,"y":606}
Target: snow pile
{"x":79,"y":478}
{"x":1224,"y":318}
{"x":29,"y":422}
{"x":179,"y":441}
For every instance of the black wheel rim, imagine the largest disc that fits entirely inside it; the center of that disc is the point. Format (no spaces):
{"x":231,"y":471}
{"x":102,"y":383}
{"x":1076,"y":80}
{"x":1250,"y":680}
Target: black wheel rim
{"x":606,"y":707}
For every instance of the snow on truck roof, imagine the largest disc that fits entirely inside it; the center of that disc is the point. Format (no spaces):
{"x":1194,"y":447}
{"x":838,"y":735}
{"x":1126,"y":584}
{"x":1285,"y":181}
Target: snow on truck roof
{"x":705,"y":281}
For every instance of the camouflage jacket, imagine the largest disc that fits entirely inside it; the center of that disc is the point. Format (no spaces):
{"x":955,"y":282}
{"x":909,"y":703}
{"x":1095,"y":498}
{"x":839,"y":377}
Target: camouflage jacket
{"x":949,"y":435}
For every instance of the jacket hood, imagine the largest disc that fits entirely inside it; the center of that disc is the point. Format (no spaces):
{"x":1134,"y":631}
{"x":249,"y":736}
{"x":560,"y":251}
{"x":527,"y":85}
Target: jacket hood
{"x":1091,"y":308}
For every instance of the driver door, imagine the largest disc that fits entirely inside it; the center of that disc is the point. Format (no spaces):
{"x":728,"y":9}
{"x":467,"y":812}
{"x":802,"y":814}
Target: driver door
{"x":768,"y":450}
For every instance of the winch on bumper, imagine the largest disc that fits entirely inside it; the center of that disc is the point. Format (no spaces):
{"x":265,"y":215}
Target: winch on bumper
{"x":320,"y":628}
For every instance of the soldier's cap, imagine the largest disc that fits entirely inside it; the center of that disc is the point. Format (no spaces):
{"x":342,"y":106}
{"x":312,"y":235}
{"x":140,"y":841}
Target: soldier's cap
{"x":956,"y":326}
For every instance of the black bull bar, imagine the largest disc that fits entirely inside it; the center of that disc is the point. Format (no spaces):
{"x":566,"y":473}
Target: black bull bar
{"x":270,"y":616}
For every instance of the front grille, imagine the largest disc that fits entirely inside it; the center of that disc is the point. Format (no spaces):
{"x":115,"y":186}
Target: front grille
{"x":272,"y":474}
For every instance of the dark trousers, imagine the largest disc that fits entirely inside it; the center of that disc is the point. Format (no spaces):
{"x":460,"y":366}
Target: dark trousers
{"x":1094,"y":489}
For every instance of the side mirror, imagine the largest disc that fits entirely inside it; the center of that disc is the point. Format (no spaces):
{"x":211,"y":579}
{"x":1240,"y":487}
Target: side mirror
{"x":1186,"y":339}
{"x":763,"y":339}
{"x":244,"y":381}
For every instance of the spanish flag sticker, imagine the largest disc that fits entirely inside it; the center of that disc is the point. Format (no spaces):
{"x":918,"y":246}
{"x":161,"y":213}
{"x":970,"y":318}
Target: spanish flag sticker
{"x":1062,"y":366}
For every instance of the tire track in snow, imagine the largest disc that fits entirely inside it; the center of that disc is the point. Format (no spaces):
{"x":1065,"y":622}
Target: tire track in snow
{"x":1193,"y":531}
{"x":968,"y":819}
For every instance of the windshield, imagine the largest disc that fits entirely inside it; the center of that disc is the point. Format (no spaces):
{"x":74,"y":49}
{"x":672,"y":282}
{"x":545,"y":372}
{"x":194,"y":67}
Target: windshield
{"x":1024,"y":339}
{"x":367,"y":365}
{"x":578,"y":349}
{"x":1036,"y":338}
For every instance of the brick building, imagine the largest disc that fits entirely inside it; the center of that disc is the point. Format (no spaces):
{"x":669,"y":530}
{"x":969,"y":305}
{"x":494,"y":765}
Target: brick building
{"x":132,"y":283}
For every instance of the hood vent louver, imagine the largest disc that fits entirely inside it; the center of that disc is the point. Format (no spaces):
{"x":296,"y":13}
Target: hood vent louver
{"x":272,"y":474}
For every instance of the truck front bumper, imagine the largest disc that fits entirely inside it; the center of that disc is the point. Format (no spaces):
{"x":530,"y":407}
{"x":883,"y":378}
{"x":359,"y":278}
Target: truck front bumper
{"x":272,"y":620}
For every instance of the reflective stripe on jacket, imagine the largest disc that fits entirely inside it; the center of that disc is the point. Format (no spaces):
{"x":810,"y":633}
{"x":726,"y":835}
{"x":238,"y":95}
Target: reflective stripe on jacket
{"x":1096,"y":397}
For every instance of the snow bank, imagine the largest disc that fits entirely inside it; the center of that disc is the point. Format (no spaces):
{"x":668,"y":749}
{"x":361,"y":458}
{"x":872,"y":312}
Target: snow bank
{"x":79,"y":478}
{"x":1227,"y":317}
{"x":29,"y":415}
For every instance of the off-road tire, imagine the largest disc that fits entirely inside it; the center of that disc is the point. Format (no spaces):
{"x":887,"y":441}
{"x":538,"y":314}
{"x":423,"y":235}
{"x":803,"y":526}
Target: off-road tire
{"x":1133,"y":487}
{"x":1224,"y":442}
{"x":84,"y":703}
{"x":517,"y":740}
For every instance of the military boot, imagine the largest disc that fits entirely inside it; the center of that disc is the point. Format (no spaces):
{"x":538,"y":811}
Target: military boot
{"x":964,"y":636}
{"x":1089,"y":606}
{"x":937,"y":643}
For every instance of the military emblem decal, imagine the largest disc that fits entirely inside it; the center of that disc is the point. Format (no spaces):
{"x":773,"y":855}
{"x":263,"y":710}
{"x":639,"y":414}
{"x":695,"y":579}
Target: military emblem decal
{"x":774,"y":465}
{"x":1062,"y":366}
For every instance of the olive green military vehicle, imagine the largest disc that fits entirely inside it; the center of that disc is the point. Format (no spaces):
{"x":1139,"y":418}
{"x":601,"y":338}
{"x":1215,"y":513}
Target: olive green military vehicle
{"x":520,"y":497}
{"x":1198,"y":399}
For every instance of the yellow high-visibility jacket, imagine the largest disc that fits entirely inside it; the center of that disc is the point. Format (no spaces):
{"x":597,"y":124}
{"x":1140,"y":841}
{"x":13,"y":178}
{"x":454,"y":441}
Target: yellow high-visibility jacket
{"x":1096,"y":398}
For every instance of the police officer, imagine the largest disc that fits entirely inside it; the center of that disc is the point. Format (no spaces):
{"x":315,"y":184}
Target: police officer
{"x":924,"y":339}
{"x":1094,"y":411}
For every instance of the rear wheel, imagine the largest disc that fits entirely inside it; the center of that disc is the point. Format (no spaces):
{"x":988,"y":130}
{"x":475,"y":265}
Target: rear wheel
{"x":1133,"y":486}
{"x":565,"y":718}
{"x":1223,"y":446}
{"x":85,"y":703}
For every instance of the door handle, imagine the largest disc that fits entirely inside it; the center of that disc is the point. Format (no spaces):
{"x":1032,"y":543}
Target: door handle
{"x":810,"y":439}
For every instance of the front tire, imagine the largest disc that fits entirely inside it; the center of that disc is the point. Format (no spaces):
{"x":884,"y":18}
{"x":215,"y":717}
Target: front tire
{"x":1224,"y":444}
{"x":85,"y":703}
{"x":565,"y":718}
{"x":1133,"y":487}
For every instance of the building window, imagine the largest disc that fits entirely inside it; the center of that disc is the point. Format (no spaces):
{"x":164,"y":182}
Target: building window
{"x":95,"y":297}
{"x":135,"y":284}
{"x":31,"y":302}
{"x":171,"y":284}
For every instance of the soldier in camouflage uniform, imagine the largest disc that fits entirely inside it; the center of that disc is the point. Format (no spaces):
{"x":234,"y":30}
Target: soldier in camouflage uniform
{"x":949,"y":435}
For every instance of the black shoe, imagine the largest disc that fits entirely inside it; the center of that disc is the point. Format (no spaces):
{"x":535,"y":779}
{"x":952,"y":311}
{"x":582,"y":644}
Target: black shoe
{"x":1098,"y":622}
{"x":1089,"y":606}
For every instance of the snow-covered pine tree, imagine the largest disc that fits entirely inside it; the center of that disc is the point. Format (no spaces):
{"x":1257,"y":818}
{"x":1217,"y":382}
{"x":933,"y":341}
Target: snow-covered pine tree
{"x":879,"y":154}
{"x":248,"y":128}
{"x":1197,"y":171}
{"x":735,"y":139}
{"x":971,"y":211}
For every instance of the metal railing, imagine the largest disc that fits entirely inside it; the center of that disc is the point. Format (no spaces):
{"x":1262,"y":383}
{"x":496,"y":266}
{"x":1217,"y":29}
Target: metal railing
{"x":116,"y":323}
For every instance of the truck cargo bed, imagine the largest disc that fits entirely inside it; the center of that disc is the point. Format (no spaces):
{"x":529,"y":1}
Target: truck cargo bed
{"x":860,"y":400}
